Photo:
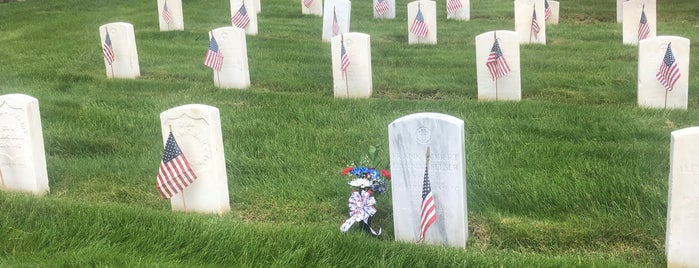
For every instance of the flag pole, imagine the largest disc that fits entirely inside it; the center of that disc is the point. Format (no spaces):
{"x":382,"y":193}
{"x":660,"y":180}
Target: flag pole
{"x":111,"y":65}
{"x":427,"y":165}
{"x":344,"y":73}
{"x":531,"y":23}
{"x":495,"y":39}
{"x":184,"y":202}
{"x":668,"y":44}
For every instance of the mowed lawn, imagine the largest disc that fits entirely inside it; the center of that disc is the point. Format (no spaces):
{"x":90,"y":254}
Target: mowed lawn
{"x":574,"y":174}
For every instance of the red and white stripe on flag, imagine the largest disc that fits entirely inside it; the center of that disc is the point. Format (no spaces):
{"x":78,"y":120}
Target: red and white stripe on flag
{"x":174,"y":173}
{"x":453,"y":5}
{"x":381,"y":7}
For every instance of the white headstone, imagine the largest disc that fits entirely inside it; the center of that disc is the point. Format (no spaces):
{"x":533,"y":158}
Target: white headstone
{"x":312,"y":7}
{"x":620,"y":10}
{"x":461,"y":9}
{"x":409,"y":139}
{"x":170,"y":15}
{"x":385,"y":9}
{"x":633,"y":9}
{"x":258,"y":6}
{"x":500,"y":84}
{"x":530,"y":15}
{"x":122,"y":45}
{"x":232,"y":44}
{"x":355,"y":81}
{"x":244,"y":15}
{"x":422,"y":31}
{"x":336,"y":18}
{"x":682,"y":234}
{"x":197,"y":130}
{"x":652,"y":92}
{"x":22,"y":156}
{"x":554,"y":7}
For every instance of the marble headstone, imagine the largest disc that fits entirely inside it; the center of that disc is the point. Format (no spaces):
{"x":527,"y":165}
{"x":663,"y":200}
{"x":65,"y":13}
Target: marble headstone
{"x":409,"y":139}
{"x":620,"y":10}
{"x":123,"y":48}
{"x":197,"y":129}
{"x":235,"y":72}
{"x":555,"y":12}
{"x":170,"y":15}
{"x":384,"y":9}
{"x":22,"y":156}
{"x":355,"y":81}
{"x":250,"y":11}
{"x":651,"y":54}
{"x":258,"y":6}
{"x":507,"y":87}
{"x":429,"y":13}
{"x":529,"y":13}
{"x":632,"y":11}
{"x":461,"y":9}
{"x":681,"y":232}
{"x":336,"y":18}
{"x":312,"y":7}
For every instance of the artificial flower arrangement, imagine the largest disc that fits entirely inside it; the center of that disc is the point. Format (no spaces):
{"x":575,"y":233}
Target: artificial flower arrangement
{"x":366,"y":182}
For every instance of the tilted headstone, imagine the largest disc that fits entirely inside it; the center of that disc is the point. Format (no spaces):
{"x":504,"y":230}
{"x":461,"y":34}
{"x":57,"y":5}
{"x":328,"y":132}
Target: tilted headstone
{"x":620,"y":10}
{"x":22,"y":156}
{"x":232,"y":45}
{"x":385,"y":9}
{"x":497,"y":66}
{"x":170,"y":15}
{"x":638,"y":21}
{"x":681,"y":232}
{"x":244,"y":15}
{"x":336,"y":18}
{"x":410,"y":139}
{"x":458,"y":9}
{"x":197,"y":130}
{"x":312,"y":7}
{"x":422,"y":22}
{"x":119,"y":50}
{"x":663,"y":74}
{"x":553,"y":13}
{"x":530,"y":21}
{"x":351,"y":65}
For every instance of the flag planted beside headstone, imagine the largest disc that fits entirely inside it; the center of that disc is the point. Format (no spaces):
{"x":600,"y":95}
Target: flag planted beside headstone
{"x":119,"y":50}
{"x":663,"y":72}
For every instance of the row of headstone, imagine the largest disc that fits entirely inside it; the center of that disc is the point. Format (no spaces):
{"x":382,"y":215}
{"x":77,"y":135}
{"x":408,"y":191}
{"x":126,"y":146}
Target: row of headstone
{"x":243,"y":15}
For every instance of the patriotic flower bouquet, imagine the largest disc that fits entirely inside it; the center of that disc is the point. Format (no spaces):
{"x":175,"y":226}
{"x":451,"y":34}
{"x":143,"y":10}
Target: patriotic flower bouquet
{"x":366,"y":183}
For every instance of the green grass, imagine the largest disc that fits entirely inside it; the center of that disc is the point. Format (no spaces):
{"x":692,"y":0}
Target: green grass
{"x":575,"y":174}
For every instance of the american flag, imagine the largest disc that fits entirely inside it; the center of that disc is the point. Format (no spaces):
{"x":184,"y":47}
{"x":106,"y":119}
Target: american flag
{"x":419,"y":27}
{"x":214,"y":58}
{"x":107,"y":49}
{"x":381,"y":7}
{"x":175,"y":173}
{"x":547,"y":10}
{"x":335,"y":26}
{"x":643,"y":28}
{"x":453,"y":5}
{"x":166,"y":13}
{"x":241,"y":19}
{"x":669,"y":72}
{"x":307,"y":3}
{"x":427,"y":211}
{"x":497,"y":65}
{"x":535,"y":24}
{"x":344,"y":58}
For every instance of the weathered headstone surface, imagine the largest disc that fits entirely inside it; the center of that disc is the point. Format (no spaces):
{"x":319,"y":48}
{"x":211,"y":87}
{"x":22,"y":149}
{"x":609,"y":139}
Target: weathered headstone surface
{"x":336,"y":18}
{"x":22,"y":156}
{"x":620,"y":10}
{"x":170,"y":16}
{"x":633,"y":22}
{"x":498,"y":74}
{"x":554,"y":7}
{"x":235,"y":72}
{"x":197,"y":129}
{"x":656,"y":71}
{"x":385,"y":9}
{"x":530,"y":21}
{"x":244,"y":15}
{"x":312,"y":7}
{"x":422,"y":22}
{"x":118,"y":40}
{"x":409,"y":139}
{"x":352,"y":76}
{"x":458,"y":9}
{"x":681,"y":232}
